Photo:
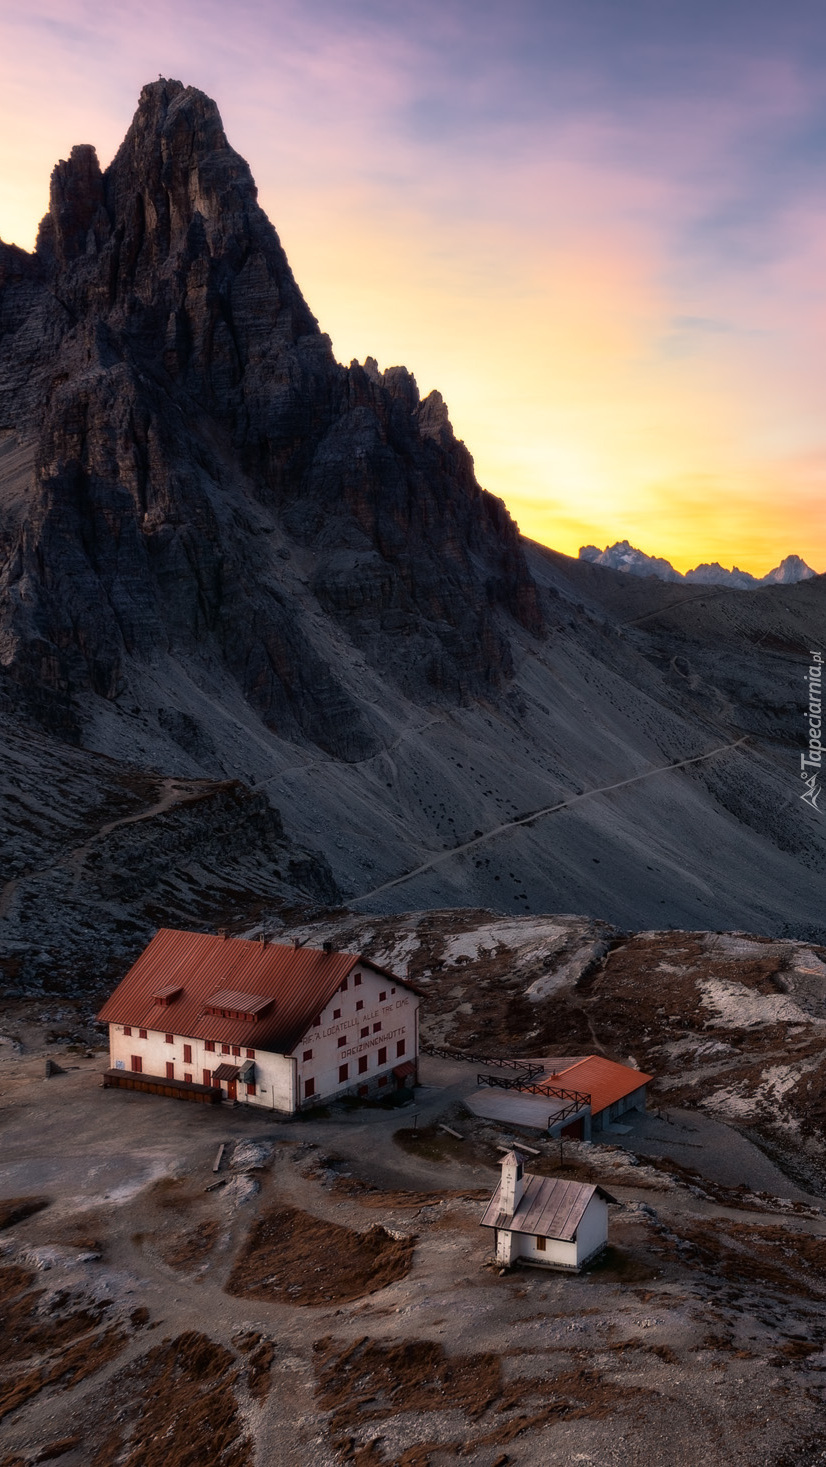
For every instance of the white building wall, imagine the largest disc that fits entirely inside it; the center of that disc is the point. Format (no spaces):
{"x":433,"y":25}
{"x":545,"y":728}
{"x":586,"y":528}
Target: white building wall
{"x":556,"y":1252}
{"x":592,"y":1232}
{"x":389,"y":1014}
{"x":275,"y":1086}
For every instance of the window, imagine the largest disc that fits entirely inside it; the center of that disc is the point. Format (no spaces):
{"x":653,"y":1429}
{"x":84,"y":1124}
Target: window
{"x":127,"y":1030}
{"x":382,"y":1056}
{"x":343,"y":987}
{"x":209,"y":1046}
{"x":362,"y":1064}
{"x":187,"y":1079}
{"x":341,"y":1041}
{"x":377,"y":1027}
{"x":250,"y":1054}
{"x":541,"y":1245}
{"x":343,"y":1072}
{"x":382,"y":996}
{"x":392,"y":990}
{"x":317,"y":1021}
{"x":236,"y":1049}
{"x":309,"y":1087}
{"x":357,"y":981}
{"x":188,"y":1054}
{"x":142,"y":1033}
{"x":251,"y":1088}
{"x":399,"y":1048}
{"x":136,"y":1063}
{"x":225,"y":1049}
{"x":336,"y":1013}
{"x":308,"y":1054}
{"x":207,"y":1077}
{"x":364,"y":1032}
{"x":170,"y":1038}
{"x":170,"y":1070}
{"x":359,"y":1004}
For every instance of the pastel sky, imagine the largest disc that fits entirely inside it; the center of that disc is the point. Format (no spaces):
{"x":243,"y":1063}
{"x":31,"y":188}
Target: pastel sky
{"x":597,"y":226}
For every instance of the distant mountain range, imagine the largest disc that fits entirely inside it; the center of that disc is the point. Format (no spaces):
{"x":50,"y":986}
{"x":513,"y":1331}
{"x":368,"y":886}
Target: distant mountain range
{"x":623,"y":556}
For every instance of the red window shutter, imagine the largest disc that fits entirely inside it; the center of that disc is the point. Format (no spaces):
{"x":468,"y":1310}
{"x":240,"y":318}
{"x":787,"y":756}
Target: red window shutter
{"x":307,"y":1055}
{"x":309,"y":1087}
{"x":187,"y":1079}
{"x":136,"y":1063}
{"x":359,"y":1004}
{"x":364,"y":1032}
{"x":170,"y":1038}
{"x":250,"y":1054}
{"x":382,"y":1056}
{"x":377,"y":1027}
{"x":142,"y":1033}
{"x":343,"y":1073}
{"x":382,"y":996}
{"x":362,"y":1064}
{"x":251,"y":1088}
{"x":357,"y":980}
{"x":225,"y":1049}
{"x":187,"y":1054}
{"x":209,"y":1046}
{"x":127,"y":1031}
{"x":399,"y":1048}
{"x":236,"y":1049}
{"x":341,"y":1041}
{"x":207,"y":1077}
{"x":170,"y":1070}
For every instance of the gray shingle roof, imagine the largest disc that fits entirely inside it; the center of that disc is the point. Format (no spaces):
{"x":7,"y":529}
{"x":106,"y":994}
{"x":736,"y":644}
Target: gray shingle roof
{"x":548,"y":1207}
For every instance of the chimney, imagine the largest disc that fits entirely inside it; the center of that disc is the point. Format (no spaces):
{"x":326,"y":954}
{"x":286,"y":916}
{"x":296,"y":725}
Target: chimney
{"x":327,"y":946}
{"x":263,"y":939}
{"x":512,"y":1184}
{"x":296,"y":944}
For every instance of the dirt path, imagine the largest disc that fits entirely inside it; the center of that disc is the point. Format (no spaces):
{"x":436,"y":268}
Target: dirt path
{"x":480,"y":840}
{"x":174,"y":792}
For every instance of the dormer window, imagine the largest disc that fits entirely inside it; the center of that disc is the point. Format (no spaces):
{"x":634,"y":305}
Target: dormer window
{"x":229,"y":1003}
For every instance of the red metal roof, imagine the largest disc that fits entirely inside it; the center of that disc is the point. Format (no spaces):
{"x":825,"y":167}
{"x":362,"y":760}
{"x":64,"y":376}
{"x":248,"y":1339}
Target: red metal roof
{"x":297,"y":982}
{"x":602,"y":1079}
{"x":549,"y":1207}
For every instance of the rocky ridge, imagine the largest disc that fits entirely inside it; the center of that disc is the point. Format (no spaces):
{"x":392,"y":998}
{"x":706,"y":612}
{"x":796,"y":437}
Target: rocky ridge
{"x":623,"y":556}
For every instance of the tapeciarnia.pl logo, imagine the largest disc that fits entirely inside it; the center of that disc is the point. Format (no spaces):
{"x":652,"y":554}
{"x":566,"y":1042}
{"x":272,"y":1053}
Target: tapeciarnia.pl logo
{"x":812,"y":759}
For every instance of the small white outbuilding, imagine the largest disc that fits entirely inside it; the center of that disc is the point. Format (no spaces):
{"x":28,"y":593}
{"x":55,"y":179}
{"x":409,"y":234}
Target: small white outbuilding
{"x":546,"y":1221}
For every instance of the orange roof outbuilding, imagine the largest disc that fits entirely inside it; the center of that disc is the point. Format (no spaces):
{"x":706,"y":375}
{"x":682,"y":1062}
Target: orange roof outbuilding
{"x":604,"y":1080}
{"x":220,"y":982}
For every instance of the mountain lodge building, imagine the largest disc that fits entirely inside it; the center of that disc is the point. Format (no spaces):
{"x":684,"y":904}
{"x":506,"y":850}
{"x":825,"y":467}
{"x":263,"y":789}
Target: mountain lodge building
{"x":275,"y":1026}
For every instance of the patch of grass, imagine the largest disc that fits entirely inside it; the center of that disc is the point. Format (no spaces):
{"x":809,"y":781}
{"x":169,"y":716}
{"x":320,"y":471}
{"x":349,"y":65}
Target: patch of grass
{"x":17,"y":1209}
{"x":295,"y":1258}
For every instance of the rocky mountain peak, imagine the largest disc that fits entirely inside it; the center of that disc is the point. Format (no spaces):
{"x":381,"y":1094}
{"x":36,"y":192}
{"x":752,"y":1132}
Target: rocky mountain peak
{"x":186,"y":428}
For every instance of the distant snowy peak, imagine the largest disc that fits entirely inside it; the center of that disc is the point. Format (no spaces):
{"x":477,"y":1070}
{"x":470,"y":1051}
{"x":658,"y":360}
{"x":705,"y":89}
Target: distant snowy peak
{"x":788,"y":571}
{"x":623,"y":556}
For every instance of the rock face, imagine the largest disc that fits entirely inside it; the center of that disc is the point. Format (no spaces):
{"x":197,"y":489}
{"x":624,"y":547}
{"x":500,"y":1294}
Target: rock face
{"x":175,"y":429}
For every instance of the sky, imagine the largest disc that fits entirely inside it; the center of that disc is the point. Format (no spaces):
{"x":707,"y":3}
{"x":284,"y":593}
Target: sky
{"x":598,"y":227}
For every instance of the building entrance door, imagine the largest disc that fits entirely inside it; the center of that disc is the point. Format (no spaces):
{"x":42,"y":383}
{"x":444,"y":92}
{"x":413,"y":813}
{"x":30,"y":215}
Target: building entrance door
{"x":232,"y":1090}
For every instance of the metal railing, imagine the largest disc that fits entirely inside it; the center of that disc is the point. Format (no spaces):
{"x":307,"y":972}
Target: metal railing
{"x":443,"y":1051}
{"x":578,"y":1100}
